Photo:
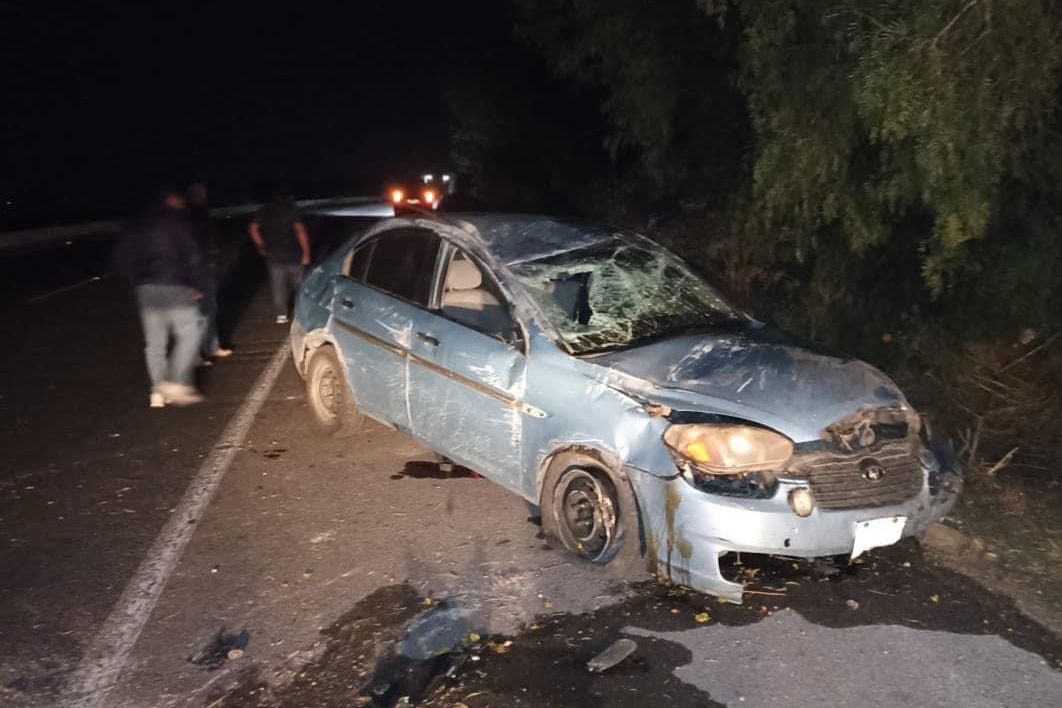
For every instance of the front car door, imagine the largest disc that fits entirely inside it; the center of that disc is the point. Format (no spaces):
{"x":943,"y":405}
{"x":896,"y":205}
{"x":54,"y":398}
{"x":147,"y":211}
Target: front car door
{"x":466,"y":372}
{"x":387,"y":282}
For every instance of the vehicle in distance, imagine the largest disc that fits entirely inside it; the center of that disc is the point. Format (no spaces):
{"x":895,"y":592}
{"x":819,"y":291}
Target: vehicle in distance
{"x":592,"y":372}
{"x":422,"y":193}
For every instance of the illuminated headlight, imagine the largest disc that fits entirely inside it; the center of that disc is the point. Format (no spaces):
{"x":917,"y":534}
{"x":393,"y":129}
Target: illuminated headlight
{"x":729,"y":449}
{"x":801,"y":501}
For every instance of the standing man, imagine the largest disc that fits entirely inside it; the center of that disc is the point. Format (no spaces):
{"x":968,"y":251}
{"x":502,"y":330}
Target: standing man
{"x":161,"y":259}
{"x":278,"y":233}
{"x":199,"y":217}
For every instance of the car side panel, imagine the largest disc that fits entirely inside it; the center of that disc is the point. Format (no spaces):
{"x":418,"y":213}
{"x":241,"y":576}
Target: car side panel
{"x":579,"y":411}
{"x":464,"y":397}
{"x":373,"y":333}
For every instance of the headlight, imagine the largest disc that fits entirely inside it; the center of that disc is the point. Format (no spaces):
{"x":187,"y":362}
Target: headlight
{"x":729,"y":449}
{"x":801,"y":501}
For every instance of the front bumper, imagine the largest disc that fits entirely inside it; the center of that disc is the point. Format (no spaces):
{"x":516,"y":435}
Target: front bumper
{"x":687,"y":530}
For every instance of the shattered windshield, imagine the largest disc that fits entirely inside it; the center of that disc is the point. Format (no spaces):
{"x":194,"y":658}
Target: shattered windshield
{"x":620,"y":294}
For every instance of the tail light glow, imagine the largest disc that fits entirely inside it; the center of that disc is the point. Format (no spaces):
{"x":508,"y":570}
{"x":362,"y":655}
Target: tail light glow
{"x":397,"y":195}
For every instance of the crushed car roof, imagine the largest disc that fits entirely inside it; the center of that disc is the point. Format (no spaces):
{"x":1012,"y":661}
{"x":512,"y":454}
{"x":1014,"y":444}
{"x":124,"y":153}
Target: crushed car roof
{"x":515,"y":238}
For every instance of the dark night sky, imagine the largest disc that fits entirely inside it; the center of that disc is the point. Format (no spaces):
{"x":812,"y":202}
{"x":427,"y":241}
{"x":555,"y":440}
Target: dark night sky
{"x":105,"y":101}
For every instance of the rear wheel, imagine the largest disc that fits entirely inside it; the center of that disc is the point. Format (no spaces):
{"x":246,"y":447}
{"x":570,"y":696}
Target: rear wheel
{"x":590,"y":513}
{"x":329,"y":398}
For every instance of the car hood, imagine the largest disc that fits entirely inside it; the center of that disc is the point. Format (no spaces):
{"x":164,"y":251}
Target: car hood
{"x":759,"y":375}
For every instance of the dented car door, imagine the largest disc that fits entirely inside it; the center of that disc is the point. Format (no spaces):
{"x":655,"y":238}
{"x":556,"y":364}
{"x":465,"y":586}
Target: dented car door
{"x":465,"y":378}
{"x":373,"y":316}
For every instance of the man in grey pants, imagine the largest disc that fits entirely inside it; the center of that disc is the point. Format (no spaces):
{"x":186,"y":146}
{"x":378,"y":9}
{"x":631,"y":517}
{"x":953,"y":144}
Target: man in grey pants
{"x":160,"y":257}
{"x":280,"y":236}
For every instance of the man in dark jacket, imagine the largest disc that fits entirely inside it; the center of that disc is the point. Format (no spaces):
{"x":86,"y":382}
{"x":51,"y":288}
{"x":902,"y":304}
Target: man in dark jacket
{"x":280,"y":236}
{"x":199,"y":217}
{"x":161,"y":259}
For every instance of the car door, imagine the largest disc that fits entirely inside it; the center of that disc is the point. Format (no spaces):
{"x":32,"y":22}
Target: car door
{"x":387,"y":281}
{"x":467,"y":371}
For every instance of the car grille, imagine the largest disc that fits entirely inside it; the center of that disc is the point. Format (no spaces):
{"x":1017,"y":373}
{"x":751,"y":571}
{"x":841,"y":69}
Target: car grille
{"x":846,"y":481}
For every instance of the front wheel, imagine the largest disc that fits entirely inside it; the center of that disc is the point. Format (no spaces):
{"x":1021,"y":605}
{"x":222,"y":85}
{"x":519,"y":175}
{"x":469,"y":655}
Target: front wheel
{"x":590,"y":513}
{"x":329,"y":398}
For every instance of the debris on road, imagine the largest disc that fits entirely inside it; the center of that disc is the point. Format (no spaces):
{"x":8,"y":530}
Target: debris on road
{"x":617,"y":652}
{"x":437,"y":631}
{"x":501,"y":647}
{"x":222,"y":647}
{"x":392,"y":645}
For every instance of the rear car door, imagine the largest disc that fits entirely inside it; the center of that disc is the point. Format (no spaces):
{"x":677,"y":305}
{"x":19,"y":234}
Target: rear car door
{"x":467,"y":371}
{"x":388,"y":280}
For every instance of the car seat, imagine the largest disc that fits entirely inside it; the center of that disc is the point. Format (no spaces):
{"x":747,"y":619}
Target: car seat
{"x":465,"y":299}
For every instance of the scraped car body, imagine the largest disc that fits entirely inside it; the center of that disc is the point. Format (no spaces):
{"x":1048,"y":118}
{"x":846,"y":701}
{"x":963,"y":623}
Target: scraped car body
{"x":521,"y":339}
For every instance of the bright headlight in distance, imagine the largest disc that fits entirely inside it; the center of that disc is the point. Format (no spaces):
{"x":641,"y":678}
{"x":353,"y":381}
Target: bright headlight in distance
{"x":729,"y":448}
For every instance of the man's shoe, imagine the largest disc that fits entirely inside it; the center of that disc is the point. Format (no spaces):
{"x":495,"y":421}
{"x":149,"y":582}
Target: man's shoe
{"x":282,"y":319}
{"x":179,"y":394}
{"x":156,"y":400}
{"x":221,"y":353}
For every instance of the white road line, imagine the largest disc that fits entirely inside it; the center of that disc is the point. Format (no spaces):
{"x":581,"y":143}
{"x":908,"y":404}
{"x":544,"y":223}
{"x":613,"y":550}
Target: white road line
{"x":106,"y":656}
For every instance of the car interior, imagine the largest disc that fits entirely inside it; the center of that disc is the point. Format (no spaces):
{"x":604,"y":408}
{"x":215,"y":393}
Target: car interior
{"x":468,"y":298}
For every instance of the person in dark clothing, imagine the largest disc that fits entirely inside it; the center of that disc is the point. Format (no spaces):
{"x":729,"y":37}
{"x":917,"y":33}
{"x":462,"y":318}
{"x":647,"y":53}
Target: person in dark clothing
{"x":199,"y":218}
{"x":198,"y":214}
{"x":160,"y":257}
{"x":280,"y":236}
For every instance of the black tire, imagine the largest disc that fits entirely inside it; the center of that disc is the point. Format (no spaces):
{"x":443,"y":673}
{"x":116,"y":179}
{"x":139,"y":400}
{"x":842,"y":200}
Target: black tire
{"x":591,"y":512}
{"x":328,"y":396}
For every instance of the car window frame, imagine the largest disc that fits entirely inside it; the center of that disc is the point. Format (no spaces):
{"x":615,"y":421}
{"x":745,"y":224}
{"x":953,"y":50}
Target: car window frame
{"x":348,"y":260}
{"x":371,"y":241}
{"x":447,"y":252}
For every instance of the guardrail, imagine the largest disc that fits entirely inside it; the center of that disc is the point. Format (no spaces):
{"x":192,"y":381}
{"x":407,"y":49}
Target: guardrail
{"x":68,"y":232}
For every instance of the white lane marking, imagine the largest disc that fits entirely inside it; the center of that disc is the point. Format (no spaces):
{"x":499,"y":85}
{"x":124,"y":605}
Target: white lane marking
{"x":99,"y":669}
{"x":66,"y":288}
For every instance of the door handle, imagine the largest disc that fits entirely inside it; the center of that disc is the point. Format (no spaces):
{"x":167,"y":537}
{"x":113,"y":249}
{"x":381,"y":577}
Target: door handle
{"x":347,"y":303}
{"x":425,"y":337}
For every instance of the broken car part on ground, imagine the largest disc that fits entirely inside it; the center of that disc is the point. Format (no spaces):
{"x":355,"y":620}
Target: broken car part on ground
{"x":595,"y":374}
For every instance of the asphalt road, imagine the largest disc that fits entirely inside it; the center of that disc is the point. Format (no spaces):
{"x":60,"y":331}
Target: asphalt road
{"x":351,"y":570}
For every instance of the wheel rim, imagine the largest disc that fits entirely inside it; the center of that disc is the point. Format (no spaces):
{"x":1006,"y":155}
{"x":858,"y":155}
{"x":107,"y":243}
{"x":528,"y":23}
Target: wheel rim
{"x":586,"y":514}
{"x":326,"y":394}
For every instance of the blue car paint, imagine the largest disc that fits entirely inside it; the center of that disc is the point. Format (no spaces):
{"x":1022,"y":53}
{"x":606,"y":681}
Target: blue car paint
{"x":545,"y":400}
{"x":376,"y":372}
{"x":479,"y":428}
{"x":757,"y":374}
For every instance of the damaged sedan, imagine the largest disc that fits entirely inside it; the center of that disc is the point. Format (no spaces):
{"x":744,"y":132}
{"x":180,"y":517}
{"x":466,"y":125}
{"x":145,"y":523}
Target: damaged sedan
{"x":595,"y":374}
